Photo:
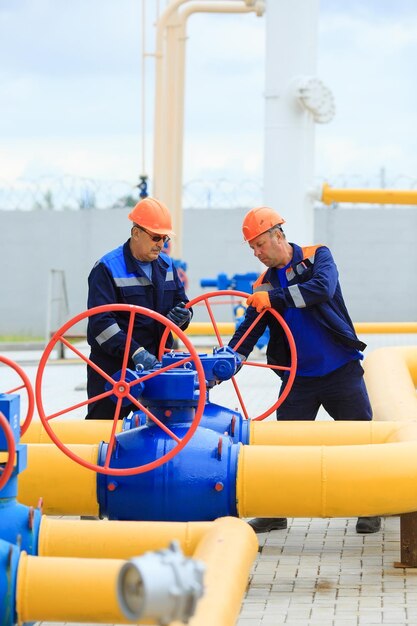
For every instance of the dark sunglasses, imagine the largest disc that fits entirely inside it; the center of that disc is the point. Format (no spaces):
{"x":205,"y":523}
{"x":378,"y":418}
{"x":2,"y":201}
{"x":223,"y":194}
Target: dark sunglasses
{"x":155,"y":238}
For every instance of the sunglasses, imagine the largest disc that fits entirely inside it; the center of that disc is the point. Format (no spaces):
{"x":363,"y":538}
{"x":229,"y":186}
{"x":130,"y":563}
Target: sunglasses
{"x":155,"y":238}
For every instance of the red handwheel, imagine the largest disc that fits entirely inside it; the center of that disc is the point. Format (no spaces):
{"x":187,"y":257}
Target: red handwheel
{"x":291,"y":368}
{"x":6,"y":472}
{"x":121,"y":388}
{"x":29,"y":390}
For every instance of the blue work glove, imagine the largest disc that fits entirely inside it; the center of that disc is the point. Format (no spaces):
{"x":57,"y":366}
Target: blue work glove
{"x":240,"y":358}
{"x":144,"y":360}
{"x":179,"y":314}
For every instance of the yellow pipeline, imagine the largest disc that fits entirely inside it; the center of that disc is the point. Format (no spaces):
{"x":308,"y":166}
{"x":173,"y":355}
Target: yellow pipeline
{"x":72,"y":431}
{"x":228,"y":549}
{"x":227,"y":546}
{"x":371,"y":196}
{"x":121,"y":540}
{"x":327,"y":481}
{"x":228,"y":328}
{"x":330,"y":433}
{"x":66,"y":487}
{"x":391,"y":380}
{"x":67,"y":590}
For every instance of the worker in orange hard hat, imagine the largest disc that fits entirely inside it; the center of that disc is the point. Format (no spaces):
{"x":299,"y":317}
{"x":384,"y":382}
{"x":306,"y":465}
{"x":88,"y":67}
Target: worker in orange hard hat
{"x":140,"y":273}
{"x":302,"y":285}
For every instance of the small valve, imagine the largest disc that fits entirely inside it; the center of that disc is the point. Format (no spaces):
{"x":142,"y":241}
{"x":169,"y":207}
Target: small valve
{"x":161,"y":586}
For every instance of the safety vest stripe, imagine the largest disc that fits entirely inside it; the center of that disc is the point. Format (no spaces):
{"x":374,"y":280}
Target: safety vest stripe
{"x":132,"y":281}
{"x":290,"y":274}
{"x":169,"y":276}
{"x":263,"y":287}
{"x":295,"y":294}
{"x":108,"y":333}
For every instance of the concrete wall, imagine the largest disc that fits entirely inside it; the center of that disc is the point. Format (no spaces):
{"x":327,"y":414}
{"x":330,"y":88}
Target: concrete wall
{"x":375,"y":250}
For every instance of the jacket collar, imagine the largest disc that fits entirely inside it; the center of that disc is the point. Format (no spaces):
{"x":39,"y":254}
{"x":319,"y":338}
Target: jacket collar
{"x":297,"y":256}
{"x":131,"y":264}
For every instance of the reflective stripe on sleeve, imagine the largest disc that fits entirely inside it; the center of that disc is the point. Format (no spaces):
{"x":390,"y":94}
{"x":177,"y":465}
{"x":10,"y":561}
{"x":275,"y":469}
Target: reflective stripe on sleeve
{"x":263,"y":287}
{"x":132,"y":281}
{"x":108,"y":333}
{"x":295,"y":294}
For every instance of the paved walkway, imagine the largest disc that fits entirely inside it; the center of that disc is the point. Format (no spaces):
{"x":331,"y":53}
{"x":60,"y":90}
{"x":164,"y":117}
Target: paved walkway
{"x":320,"y":572}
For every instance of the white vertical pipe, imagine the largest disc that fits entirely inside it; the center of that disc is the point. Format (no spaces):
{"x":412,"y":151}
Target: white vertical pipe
{"x":291,"y":51}
{"x":169,"y":102}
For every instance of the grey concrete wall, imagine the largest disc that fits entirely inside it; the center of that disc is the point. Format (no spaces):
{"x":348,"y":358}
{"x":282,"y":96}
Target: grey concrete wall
{"x":376,"y":253}
{"x":374,"y":248}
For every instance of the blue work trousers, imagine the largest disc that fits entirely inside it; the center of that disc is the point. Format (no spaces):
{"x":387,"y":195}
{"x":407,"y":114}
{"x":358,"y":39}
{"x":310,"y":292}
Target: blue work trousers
{"x":342,"y":393}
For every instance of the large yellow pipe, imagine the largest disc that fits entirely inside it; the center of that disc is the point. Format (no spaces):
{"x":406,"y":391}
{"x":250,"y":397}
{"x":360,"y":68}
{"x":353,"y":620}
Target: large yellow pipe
{"x":327,"y":481}
{"x":72,"y":431}
{"x":68,"y":590}
{"x":109,"y":539}
{"x":330,"y":433}
{"x":66,"y":487}
{"x":391,"y":379}
{"x":227,"y":546}
{"x":374,"y":328}
{"x":372,"y":196}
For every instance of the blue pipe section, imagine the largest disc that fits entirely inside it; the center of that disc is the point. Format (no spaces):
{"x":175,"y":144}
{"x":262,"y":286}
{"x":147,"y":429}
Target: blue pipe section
{"x":9,"y":561}
{"x":19,"y":524}
{"x":238,"y":282}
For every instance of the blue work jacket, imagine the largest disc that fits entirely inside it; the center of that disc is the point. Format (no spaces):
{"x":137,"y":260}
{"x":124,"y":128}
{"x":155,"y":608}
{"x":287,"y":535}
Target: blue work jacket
{"x":313,"y":282}
{"x":117,"y":278}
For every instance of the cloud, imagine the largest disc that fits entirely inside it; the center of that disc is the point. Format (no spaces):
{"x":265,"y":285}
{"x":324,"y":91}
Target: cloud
{"x":71,"y":89}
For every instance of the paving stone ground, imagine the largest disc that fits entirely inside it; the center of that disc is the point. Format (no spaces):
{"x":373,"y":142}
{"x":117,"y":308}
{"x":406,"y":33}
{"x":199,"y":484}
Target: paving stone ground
{"x":319,"y":572}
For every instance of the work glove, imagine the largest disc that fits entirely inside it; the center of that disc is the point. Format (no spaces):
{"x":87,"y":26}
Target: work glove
{"x":260,"y":300}
{"x":179,"y":314}
{"x":144,"y":360}
{"x":240,"y":359}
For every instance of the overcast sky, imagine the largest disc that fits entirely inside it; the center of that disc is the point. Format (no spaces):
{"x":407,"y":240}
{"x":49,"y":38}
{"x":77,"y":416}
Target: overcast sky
{"x":71,"y":91}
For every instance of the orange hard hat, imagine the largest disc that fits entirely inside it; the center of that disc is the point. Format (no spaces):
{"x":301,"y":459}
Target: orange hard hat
{"x":258,"y":221}
{"x":153,"y":215}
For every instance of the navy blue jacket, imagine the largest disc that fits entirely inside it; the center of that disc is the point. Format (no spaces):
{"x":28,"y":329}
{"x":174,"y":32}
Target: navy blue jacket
{"x":313,"y":282}
{"x":117,"y":278}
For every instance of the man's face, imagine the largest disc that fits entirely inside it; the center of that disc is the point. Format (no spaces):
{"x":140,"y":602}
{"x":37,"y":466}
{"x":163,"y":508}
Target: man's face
{"x":271,"y":249}
{"x":146,"y":245}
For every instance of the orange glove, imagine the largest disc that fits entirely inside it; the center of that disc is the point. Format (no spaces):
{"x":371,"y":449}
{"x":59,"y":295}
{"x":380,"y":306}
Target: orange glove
{"x":260,"y":300}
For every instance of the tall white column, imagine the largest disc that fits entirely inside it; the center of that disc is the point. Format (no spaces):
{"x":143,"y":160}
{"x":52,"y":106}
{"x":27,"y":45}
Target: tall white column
{"x":291,"y":51}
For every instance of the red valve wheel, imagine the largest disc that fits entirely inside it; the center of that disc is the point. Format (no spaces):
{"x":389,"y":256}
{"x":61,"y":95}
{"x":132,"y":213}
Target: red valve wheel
{"x":291,"y":369}
{"x":7,"y":471}
{"x":29,"y":390}
{"x":121,"y":389}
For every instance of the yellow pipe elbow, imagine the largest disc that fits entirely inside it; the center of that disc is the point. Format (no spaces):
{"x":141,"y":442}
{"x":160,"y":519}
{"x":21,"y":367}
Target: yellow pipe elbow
{"x":391,"y":379}
{"x":66,"y":487}
{"x":228,"y":549}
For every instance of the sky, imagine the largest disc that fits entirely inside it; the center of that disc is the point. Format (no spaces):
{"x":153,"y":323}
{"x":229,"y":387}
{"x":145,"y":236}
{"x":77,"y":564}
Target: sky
{"x":72,"y":84}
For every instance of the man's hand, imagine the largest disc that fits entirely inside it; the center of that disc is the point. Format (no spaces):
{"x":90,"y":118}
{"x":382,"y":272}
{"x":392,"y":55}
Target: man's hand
{"x":260,"y":300}
{"x":179,"y":314}
{"x":144,"y":360}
